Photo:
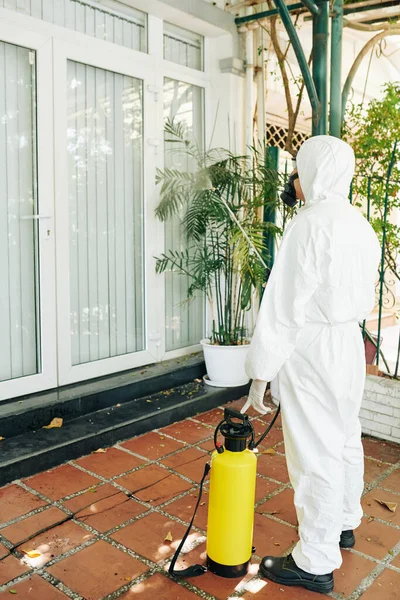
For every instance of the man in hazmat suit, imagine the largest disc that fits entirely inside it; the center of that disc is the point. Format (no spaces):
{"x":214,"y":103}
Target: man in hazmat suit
{"x":308,"y":342}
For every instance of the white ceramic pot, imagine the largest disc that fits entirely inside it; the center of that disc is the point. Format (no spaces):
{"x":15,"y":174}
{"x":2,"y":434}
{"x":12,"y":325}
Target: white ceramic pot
{"x":225,"y":364}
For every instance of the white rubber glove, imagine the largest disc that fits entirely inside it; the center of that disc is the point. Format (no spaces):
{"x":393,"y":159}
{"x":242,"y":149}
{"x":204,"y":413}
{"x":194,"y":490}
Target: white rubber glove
{"x":256,"y":397}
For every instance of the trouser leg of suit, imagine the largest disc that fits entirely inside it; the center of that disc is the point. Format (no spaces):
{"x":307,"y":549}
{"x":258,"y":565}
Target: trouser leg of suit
{"x":353,"y":456}
{"x":321,"y":389}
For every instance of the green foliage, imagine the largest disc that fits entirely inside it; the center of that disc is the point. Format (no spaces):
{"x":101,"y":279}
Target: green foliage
{"x":218,"y":259}
{"x":373,"y":131}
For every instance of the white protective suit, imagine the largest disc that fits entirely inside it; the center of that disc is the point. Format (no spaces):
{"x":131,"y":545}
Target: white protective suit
{"x":307,"y":339}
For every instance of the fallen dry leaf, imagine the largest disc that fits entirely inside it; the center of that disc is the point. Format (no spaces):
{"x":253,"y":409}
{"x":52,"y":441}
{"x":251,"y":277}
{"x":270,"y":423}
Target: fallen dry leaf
{"x":270,"y":451}
{"x":118,"y":405}
{"x":168,"y":537}
{"x":368,"y":539}
{"x":371,"y":519}
{"x":100,"y":451}
{"x":202,"y":503}
{"x":148,"y":400}
{"x":56,"y":422}
{"x":31,"y":553}
{"x":13,"y":591}
{"x":392,"y":506}
{"x":276,"y":544}
{"x":1,"y":438}
{"x":93,"y":491}
{"x":128,"y":578}
{"x":197,"y":380}
{"x":162,"y":437}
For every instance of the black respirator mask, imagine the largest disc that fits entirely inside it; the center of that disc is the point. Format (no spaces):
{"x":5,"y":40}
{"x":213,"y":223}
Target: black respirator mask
{"x":288,"y":195}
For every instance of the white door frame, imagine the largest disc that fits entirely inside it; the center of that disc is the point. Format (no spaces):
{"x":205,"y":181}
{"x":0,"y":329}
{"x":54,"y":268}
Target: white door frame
{"x":42,"y":46}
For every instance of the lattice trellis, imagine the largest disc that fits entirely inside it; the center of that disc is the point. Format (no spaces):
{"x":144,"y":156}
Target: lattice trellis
{"x":276,"y":136}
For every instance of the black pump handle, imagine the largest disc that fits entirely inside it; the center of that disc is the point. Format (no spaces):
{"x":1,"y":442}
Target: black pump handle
{"x":230,"y":414}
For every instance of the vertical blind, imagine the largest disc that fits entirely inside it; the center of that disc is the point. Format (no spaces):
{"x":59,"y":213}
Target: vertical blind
{"x":184,"y":321}
{"x":183,"y":47}
{"x":86,"y":16}
{"x":105,"y":175}
{"x":19,"y":287}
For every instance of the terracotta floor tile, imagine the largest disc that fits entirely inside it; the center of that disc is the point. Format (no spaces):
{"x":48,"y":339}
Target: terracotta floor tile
{"x":385,"y":587}
{"x":184,"y":507}
{"x":187,"y":431}
{"x":111,"y":463}
{"x":158,"y":587}
{"x":385,"y":451}
{"x":268,"y":534}
{"x":392,"y":482}
{"x":11,"y":567}
{"x":373,"y":469}
{"x":263,"y":589}
{"x":24,"y":529}
{"x":147,"y":536}
{"x":61,"y":482}
{"x":183,"y":458}
{"x":353,"y":570}
{"x":154,"y":484}
{"x":152,"y":445}
{"x":274,"y":437}
{"x":219,"y":587}
{"x":375,"y":539}
{"x":273,"y":466}
{"x":372,"y":508}
{"x":90,"y":497}
{"x":55,"y":542}
{"x":212,"y":417}
{"x":3,"y":551}
{"x":34,"y":588}
{"x":207,"y":445}
{"x":264,"y":488}
{"x":110,"y":512}
{"x":396,"y":561}
{"x":15,"y":502}
{"x":282,"y":506}
{"x":97,"y":571}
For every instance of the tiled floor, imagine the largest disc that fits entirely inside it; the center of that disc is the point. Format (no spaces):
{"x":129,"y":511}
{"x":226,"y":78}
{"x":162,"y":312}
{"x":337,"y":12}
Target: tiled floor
{"x":96,"y":528}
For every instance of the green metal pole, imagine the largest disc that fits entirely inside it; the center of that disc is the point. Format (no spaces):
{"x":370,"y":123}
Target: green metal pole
{"x":320,"y":66}
{"x":271,"y":163}
{"x":382,"y":265}
{"x":299,"y":52}
{"x":336,"y":69}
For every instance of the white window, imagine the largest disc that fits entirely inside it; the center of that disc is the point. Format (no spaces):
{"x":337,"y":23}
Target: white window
{"x":114,"y":23}
{"x":105,"y":190}
{"x":183,"y":103}
{"x":19,"y":286}
{"x":183,"y":47}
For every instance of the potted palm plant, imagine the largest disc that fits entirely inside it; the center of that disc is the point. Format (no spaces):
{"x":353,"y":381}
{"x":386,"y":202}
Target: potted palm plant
{"x":219,"y":199}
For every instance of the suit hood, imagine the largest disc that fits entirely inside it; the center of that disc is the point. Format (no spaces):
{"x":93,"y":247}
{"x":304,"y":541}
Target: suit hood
{"x":326,"y":167}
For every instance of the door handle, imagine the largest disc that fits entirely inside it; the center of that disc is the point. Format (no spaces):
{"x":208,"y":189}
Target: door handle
{"x":35,"y":217}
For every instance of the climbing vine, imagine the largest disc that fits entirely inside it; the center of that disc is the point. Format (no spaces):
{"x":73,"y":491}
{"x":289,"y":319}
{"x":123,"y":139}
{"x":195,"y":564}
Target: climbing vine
{"x":372,"y":130}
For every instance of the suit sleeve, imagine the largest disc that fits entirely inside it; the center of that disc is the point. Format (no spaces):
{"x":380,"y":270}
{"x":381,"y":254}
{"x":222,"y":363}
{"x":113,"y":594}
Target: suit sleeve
{"x":293,"y":281}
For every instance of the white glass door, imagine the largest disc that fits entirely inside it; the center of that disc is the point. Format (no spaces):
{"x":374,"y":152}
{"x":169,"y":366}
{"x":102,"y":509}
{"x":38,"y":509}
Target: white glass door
{"x":101,"y":213}
{"x":27,"y":311}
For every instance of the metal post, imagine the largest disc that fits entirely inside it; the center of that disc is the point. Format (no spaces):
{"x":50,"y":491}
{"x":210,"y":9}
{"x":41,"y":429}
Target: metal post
{"x":299,"y":52}
{"x":320,"y":66}
{"x":382,"y":265}
{"x":336,"y":69}
{"x":271,"y":163}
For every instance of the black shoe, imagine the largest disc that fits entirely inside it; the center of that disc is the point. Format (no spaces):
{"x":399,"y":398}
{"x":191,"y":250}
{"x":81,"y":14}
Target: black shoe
{"x":284,"y":571}
{"x":347,"y":539}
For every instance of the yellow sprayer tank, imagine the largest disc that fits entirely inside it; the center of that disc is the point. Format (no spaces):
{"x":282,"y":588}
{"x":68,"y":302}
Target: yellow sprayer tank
{"x":231,"y":499}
